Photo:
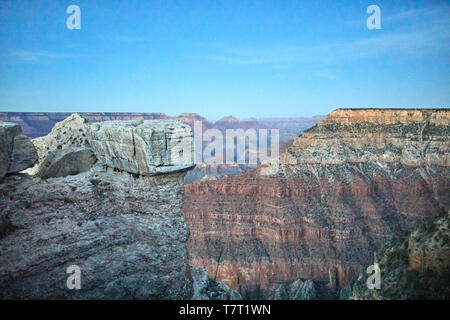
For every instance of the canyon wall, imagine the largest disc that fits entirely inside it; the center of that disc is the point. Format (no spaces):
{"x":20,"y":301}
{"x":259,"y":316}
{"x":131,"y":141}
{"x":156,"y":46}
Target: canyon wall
{"x":414,"y":265}
{"x":344,"y":187}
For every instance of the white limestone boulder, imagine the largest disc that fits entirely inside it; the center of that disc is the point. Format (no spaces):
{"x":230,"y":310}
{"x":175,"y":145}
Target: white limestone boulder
{"x":144,"y":147}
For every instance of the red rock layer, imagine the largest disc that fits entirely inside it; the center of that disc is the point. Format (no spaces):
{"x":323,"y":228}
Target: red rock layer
{"x":345,"y":186}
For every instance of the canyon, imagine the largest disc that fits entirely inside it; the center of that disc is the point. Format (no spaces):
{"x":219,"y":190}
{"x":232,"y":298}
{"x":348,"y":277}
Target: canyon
{"x":110,"y":197}
{"x":317,"y":213}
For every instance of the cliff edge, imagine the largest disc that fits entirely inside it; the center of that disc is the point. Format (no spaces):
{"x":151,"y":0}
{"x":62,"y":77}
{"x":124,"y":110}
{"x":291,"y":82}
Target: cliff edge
{"x":123,"y":230}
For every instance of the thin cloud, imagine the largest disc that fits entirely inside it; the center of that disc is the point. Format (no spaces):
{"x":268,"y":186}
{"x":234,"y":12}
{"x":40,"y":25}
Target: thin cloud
{"x":412,"y":43}
{"x":36,"y":56}
{"x":409,"y":14}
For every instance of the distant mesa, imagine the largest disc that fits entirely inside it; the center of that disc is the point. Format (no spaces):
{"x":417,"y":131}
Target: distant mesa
{"x":229,"y":118}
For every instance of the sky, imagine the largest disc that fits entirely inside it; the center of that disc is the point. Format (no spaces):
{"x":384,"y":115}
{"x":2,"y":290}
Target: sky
{"x":275,"y":58}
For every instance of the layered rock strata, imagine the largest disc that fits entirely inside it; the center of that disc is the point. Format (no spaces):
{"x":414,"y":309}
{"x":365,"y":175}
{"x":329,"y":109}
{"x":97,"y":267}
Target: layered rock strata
{"x":344,"y":186}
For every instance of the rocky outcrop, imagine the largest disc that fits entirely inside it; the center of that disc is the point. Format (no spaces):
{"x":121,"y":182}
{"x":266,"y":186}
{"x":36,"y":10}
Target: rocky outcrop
{"x":37,"y":124}
{"x":413,"y":265}
{"x":297,"y":290}
{"x":207,"y":289}
{"x":17,"y":153}
{"x":124,"y":231}
{"x":68,"y":161}
{"x":143,"y":147}
{"x":343,"y":187}
{"x":65,"y":150}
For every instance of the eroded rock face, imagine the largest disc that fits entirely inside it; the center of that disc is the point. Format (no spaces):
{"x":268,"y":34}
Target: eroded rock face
{"x":413,"y":265}
{"x":126,"y":232}
{"x":58,"y":151}
{"x":17,"y":153}
{"x":342,"y":188}
{"x":127,"y":235}
{"x":297,"y":290}
{"x":143,"y":147}
{"x":207,"y":289}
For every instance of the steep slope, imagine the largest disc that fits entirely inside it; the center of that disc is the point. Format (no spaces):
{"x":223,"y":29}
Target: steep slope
{"x":344,"y":186}
{"x":414,"y":265}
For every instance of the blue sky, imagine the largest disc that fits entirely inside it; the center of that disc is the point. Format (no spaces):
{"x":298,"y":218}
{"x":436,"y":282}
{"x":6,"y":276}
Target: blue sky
{"x":246,"y":58}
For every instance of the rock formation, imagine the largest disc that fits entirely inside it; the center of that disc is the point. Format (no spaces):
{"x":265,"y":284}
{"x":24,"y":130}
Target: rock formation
{"x":143,"y":147}
{"x":345,"y":186}
{"x":297,"y":290}
{"x":38,"y":124}
{"x":207,"y":289}
{"x":65,"y":150}
{"x":16,"y":151}
{"x":125,"y":231}
{"x":413,"y":265}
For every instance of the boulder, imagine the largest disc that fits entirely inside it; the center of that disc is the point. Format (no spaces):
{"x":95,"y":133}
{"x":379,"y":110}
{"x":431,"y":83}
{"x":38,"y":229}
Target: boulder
{"x":141,"y":147}
{"x":58,"y":151}
{"x":68,"y":161}
{"x":17,"y":153}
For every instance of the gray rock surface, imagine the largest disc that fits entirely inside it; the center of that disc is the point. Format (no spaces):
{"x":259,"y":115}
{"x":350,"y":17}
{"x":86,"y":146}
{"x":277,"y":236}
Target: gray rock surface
{"x":69,"y":133}
{"x":127,"y":235}
{"x":143,"y":147}
{"x":207,"y":289}
{"x":297,"y":290}
{"x":68,"y":161}
{"x":126,"y":232}
{"x":23,"y":155}
{"x":16,"y":151}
